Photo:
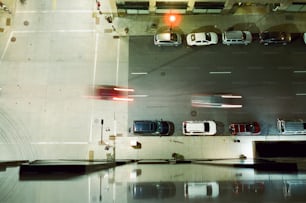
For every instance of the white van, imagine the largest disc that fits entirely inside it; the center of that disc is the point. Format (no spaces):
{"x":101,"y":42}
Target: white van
{"x":199,"y":127}
{"x":236,"y":37}
{"x":297,"y":127}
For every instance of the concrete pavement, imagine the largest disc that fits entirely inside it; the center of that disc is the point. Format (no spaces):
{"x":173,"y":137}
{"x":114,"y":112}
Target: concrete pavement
{"x":108,"y":53}
{"x":145,"y":24}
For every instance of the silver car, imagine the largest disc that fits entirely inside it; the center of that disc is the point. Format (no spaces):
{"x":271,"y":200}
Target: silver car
{"x":236,"y":37}
{"x":168,"y":39}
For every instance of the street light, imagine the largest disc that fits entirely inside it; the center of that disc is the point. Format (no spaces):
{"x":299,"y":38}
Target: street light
{"x":172,"y":19}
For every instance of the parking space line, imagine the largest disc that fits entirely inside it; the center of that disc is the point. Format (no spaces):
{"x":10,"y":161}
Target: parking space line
{"x":6,"y":46}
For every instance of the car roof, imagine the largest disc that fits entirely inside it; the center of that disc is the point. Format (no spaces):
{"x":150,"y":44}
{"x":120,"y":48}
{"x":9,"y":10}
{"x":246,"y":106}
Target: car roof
{"x":163,"y":36}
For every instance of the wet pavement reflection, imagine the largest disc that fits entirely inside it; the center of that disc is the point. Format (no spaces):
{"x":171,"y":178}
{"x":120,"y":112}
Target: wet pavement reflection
{"x":136,"y":182}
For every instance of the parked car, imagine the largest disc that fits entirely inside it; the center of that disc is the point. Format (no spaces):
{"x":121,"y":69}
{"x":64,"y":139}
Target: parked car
{"x":167,"y":39}
{"x":201,"y":39}
{"x":246,"y":128}
{"x":236,"y":37}
{"x":199,"y":127}
{"x":149,"y":127}
{"x":201,"y":190}
{"x":293,"y":127}
{"x":216,"y":101}
{"x":152,"y":190}
{"x":304,"y":37}
{"x":267,"y":38}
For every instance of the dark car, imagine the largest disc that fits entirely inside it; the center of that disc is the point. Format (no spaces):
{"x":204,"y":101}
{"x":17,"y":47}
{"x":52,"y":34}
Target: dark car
{"x":149,"y":127}
{"x":267,"y":38}
{"x":153,"y":190}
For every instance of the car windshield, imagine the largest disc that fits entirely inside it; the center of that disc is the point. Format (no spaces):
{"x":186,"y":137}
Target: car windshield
{"x":249,"y":127}
{"x":208,"y":36}
{"x":162,"y":127}
{"x":206,"y":127}
{"x":243,"y":36}
{"x":192,"y":37}
{"x":173,"y":37}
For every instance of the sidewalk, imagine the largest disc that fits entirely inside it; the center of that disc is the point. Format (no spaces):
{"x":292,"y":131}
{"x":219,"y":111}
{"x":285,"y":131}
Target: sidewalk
{"x":150,"y":24}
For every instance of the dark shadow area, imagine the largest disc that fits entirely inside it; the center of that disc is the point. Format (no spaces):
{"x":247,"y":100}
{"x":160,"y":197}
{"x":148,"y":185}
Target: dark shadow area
{"x":260,"y":165}
{"x":208,"y":28}
{"x":273,"y":149}
{"x":286,"y":27}
{"x":62,"y":169}
{"x":168,"y":29}
{"x":252,"y":27}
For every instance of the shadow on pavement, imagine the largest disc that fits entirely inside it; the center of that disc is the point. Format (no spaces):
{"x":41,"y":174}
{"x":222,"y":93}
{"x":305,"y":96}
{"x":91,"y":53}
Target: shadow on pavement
{"x":208,"y":28}
{"x":252,"y":27}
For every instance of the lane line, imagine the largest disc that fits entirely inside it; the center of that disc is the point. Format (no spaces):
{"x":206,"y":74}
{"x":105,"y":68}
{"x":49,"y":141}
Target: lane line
{"x":93,"y":86}
{"x":220,"y":72}
{"x":139,"y":73}
{"x":299,"y":71}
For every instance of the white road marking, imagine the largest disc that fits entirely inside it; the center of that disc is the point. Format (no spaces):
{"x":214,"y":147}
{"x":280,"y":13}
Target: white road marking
{"x":220,"y":72}
{"x":299,"y":71}
{"x":139,"y":95}
{"x":139,"y":73}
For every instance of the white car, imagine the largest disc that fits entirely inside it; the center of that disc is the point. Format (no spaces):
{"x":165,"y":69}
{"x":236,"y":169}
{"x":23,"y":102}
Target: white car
{"x":202,"y":39}
{"x":199,"y":127}
{"x":304,"y":37}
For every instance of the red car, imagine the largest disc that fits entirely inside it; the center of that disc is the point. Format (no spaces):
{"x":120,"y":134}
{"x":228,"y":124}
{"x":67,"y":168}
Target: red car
{"x":111,"y":92}
{"x":246,"y":128}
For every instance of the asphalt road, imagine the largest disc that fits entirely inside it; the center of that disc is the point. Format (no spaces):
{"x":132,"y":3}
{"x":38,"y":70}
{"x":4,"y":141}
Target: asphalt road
{"x":271,"y":80}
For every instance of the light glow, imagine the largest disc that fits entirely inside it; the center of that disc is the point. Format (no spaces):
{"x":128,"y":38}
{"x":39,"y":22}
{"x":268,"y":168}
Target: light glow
{"x":124,"y":89}
{"x":231,"y":96}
